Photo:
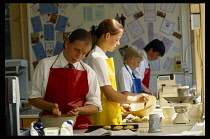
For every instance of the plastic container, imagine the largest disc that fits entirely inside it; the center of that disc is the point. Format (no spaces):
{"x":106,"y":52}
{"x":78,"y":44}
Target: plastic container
{"x":51,"y":131}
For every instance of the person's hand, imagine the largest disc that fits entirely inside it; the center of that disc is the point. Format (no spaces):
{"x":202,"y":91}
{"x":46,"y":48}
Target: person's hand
{"x":125,"y":108}
{"x":142,"y":98}
{"x":149,"y":92}
{"x":74,"y":111}
{"x":55,"y":109}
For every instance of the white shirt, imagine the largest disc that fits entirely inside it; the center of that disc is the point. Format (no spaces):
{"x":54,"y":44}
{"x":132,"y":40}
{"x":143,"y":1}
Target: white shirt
{"x":41,"y":73}
{"x":139,"y":71}
{"x":96,"y":59}
{"x":125,"y":79}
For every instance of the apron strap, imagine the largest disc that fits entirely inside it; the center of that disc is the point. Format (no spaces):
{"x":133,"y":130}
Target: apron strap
{"x":54,"y":61}
{"x":129,"y":71}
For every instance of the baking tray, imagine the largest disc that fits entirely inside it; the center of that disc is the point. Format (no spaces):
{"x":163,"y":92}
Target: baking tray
{"x":92,"y":128}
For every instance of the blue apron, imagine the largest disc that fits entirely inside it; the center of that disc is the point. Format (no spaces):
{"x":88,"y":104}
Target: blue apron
{"x":136,"y":82}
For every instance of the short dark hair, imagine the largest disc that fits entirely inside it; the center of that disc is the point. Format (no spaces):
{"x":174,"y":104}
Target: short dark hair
{"x":81,"y":35}
{"x":157,"y":46}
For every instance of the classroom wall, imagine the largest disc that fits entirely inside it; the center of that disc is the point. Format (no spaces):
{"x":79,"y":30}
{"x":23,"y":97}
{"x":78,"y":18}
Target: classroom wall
{"x":50,"y":24}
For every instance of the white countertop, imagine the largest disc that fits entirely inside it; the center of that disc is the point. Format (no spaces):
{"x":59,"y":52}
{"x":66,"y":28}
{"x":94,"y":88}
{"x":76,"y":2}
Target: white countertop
{"x":167,"y":127}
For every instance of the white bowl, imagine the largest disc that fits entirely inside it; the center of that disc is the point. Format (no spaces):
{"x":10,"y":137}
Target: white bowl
{"x":51,"y":131}
{"x":54,"y":121}
{"x":168,"y":112}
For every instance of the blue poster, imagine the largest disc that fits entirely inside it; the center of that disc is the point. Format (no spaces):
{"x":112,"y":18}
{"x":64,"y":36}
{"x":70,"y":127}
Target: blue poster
{"x":36,"y":24}
{"x":58,"y":48}
{"x":49,"y":32}
{"x":39,"y":51}
{"x":48,"y":8}
{"x":61,"y":23}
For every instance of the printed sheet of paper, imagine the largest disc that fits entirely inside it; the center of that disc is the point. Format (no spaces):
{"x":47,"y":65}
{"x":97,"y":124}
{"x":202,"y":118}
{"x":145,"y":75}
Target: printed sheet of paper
{"x":99,"y":12}
{"x":48,"y":8}
{"x":124,"y":38}
{"x":167,"y":27}
{"x":48,"y":32}
{"x":36,"y":24}
{"x":139,"y":43}
{"x":34,"y":10}
{"x":168,"y":7}
{"x":167,"y":42}
{"x":49,"y":48}
{"x":58,"y":48}
{"x":155,"y":65}
{"x":39,"y":51}
{"x":167,"y":63}
{"x":88,"y":13}
{"x":176,"y":49}
{"x":62,"y":7}
{"x":135,"y":28}
{"x":61,"y":23}
{"x":149,"y":16}
{"x":150,"y":31}
{"x":149,"y":6}
{"x":130,"y":8}
{"x":158,"y":36}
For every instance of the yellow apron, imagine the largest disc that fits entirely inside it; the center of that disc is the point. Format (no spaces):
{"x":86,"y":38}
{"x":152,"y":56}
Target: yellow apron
{"x":111,"y":114}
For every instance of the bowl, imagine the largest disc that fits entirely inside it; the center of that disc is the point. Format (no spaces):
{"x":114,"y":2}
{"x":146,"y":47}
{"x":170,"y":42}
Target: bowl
{"x":55,"y":121}
{"x":51,"y":131}
{"x":141,"y":110}
{"x":168,"y":112}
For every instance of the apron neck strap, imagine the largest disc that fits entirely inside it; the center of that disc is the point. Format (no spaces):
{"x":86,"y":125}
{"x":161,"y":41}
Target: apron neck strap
{"x":54,"y":61}
{"x":129,"y":71}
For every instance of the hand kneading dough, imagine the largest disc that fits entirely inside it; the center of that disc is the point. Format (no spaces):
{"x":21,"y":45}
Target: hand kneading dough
{"x":118,"y":127}
{"x":58,"y":113}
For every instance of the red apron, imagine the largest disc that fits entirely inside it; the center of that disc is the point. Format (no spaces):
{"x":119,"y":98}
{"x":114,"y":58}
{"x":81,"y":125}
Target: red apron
{"x":146,"y":77}
{"x":66,"y":85}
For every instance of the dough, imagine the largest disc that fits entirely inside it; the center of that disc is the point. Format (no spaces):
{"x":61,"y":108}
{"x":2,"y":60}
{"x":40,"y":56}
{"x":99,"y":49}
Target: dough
{"x":58,"y":113}
{"x":118,"y":127}
{"x":107,"y":127}
{"x":136,"y":119}
{"x":128,"y":127}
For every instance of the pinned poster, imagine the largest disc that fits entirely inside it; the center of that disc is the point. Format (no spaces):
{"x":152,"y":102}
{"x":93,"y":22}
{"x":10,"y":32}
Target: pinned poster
{"x":130,"y":8}
{"x":39,"y":51}
{"x":167,"y":27}
{"x":58,"y":48}
{"x":36,"y":24}
{"x":139,"y":43}
{"x":135,"y":28}
{"x":48,"y":32}
{"x":167,"y":43}
{"x":124,"y":38}
{"x":48,"y":8}
{"x":61,"y":23}
{"x":168,"y":7}
{"x":167,"y":63}
{"x":155,"y":64}
{"x":150,"y":31}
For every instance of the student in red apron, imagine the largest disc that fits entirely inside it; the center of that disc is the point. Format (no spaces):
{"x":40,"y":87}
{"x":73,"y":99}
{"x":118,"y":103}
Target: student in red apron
{"x":152,"y":51}
{"x":65,"y":83}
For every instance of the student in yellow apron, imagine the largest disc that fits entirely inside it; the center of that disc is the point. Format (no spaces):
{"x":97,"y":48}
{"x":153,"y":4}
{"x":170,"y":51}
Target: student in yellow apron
{"x":105,"y":38}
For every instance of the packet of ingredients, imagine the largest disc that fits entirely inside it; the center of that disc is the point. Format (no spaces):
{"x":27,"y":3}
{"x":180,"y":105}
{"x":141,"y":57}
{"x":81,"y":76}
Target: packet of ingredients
{"x":36,"y":129}
{"x":67,"y":128}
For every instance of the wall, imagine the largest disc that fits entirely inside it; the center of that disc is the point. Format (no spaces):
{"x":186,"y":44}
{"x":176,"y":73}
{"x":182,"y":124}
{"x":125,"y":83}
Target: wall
{"x":137,"y":31}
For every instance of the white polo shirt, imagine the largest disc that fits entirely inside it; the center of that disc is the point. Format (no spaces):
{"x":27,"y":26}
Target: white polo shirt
{"x":125,"y":79}
{"x":41,"y":73}
{"x":96,"y":59}
{"x":139,"y":71}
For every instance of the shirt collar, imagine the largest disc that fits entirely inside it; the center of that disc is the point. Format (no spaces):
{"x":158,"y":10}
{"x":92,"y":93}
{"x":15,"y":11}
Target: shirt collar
{"x":99,"y":50}
{"x":64,"y":62}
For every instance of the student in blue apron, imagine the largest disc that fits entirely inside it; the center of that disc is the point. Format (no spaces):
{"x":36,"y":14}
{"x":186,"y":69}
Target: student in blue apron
{"x":65,"y":83}
{"x":151,"y":52}
{"x":127,"y":83}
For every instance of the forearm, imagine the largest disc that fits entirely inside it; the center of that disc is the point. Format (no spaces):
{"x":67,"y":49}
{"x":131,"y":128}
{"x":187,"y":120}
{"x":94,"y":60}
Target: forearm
{"x":41,"y":104}
{"x":88,"y":109}
{"x":128,"y":93}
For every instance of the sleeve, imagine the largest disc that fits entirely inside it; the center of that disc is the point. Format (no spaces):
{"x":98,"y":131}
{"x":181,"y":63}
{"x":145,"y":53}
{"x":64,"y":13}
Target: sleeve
{"x":94,"y":95}
{"x":100,"y":67}
{"x":37,"y":82}
{"x":123,"y":83}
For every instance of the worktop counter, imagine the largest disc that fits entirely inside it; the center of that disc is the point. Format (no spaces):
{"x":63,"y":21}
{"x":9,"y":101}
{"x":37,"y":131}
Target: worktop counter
{"x":167,"y":127}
